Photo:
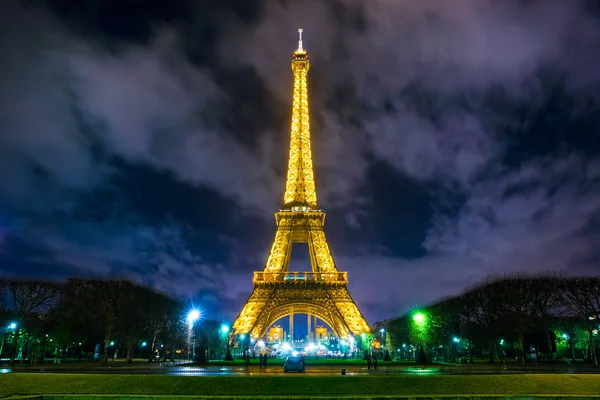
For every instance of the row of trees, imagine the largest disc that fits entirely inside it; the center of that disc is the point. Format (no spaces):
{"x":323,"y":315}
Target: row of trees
{"x":506,"y":315}
{"x":83,"y":316}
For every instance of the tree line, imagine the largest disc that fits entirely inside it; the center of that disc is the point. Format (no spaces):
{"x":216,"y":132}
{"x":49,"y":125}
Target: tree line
{"x":88,"y":318}
{"x":511,"y":316}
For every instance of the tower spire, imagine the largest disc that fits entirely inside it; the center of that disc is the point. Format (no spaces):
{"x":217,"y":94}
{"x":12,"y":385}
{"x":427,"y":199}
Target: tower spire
{"x":300,"y":185}
{"x":300,"y":49}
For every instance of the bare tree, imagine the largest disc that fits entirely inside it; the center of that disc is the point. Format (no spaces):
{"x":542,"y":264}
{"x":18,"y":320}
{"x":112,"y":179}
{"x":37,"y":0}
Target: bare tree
{"x":27,"y":296}
{"x":103,"y":301}
{"x":582,"y":298}
{"x":545,"y":299}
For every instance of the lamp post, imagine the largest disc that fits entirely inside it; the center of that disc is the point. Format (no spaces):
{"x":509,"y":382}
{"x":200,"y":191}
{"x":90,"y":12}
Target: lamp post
{"x":351,"y":342}
{"x":11,"y":327}
{"x":225,"y":334}
{"x":420,"y":326}
{"x":502,"y":352}
{"x":382,"y":331}
{"x":455,"y":340}
{"x":242,"y":345}
{"x":192,"y":317}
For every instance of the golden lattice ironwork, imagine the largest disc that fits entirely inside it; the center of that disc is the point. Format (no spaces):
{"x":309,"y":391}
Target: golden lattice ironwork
{"x":323,"y":291}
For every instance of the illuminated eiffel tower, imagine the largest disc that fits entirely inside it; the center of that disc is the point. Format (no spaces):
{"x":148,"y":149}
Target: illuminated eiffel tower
{"x":322,"y":292}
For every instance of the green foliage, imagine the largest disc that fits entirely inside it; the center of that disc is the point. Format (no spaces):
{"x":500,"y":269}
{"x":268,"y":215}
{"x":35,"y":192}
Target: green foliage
{"x":53,"y":317}
{"x":420,"y":328}
{"x":519,"y":309}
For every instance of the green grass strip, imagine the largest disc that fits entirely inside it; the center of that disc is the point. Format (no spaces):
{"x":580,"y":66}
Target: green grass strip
{"x":298,"y":385}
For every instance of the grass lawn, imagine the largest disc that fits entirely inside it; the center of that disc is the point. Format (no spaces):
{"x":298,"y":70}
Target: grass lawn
{"x":299,"y":385}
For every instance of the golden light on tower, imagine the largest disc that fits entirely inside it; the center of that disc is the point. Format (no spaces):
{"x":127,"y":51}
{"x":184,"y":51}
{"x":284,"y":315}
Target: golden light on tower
{"x":321,"y":292}
{"x":300,"y":185}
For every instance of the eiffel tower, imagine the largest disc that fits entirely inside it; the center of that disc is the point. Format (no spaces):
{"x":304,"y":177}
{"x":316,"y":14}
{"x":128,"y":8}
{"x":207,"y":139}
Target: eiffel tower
{"x":322,"y":292}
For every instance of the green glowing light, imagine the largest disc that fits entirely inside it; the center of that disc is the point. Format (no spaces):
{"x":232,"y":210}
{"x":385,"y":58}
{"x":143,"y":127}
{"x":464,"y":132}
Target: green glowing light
{"x":419,"y":318}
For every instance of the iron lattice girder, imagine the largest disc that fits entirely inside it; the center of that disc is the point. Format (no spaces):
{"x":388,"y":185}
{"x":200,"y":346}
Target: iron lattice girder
{"x":323,"y":291}
{"x":300,"y":226}
{"x":300,"y":182}
{"x":329,"y":301}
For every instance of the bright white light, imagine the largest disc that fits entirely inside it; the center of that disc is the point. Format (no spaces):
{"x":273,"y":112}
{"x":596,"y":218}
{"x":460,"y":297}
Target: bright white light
{"x":294,"y":353}
{"x":143,"y":344}
{"x":193,"y":316}
{"x":351,"y":339}
{"x":261,"y":343}
{"x":382,"y":330}
{"x":111,"y":343}
{"x":344,"y":343}
{"x":224,"y":328}
{"x":242,"y":336}
{"x":310,"y":347}
{"x":13,"y":325}
{"x":286,"y":346}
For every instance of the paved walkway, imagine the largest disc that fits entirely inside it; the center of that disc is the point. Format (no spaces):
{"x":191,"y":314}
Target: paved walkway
{"x":181,"y":368}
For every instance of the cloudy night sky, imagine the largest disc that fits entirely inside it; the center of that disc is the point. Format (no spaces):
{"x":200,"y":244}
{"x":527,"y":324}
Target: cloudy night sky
{"x":148,"y":139}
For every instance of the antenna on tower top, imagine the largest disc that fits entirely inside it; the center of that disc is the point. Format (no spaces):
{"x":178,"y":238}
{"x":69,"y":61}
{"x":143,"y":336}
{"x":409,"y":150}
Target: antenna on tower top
{"x":300,"y":49}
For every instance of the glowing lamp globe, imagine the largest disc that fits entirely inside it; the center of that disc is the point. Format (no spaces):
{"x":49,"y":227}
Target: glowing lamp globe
{"x":193,"y":316}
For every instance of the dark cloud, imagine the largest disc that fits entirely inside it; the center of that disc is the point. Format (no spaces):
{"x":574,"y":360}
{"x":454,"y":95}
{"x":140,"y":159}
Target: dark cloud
{"x":450,"y":140}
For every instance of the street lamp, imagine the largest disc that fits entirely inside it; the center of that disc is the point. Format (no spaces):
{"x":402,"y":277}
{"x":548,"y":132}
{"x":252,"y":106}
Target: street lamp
{"x":419,"y":318}
{"x":12,"y":325}
{"x":455,"y":340}
{"x":193,"y":315}
{"x":225,"y":332}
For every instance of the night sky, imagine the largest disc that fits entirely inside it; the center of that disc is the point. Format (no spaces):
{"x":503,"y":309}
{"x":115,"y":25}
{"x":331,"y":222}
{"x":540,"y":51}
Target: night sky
{"x":148,"y":140}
